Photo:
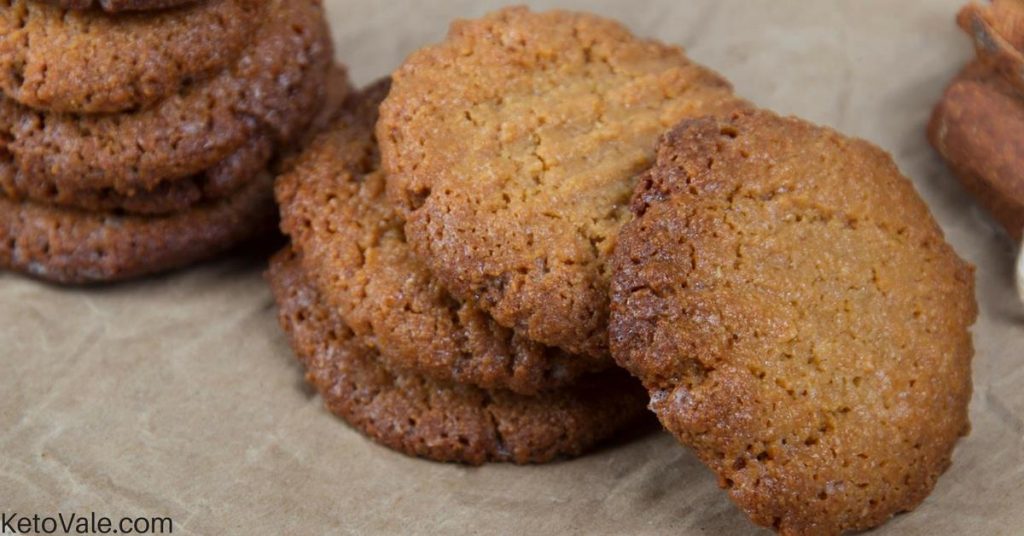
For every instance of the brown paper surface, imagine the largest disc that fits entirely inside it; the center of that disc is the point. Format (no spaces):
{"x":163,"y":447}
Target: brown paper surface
{"x":178,"y":396}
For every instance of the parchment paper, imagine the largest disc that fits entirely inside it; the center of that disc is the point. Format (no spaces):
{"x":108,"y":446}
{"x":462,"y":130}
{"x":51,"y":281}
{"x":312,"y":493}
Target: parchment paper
{"x":178,"y":396}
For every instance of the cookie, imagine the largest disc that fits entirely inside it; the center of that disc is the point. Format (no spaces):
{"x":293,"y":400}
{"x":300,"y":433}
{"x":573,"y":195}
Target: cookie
{"x":798,"y":318}
{"x":511,"y":149}
{"x":276,"y":88}
{"x":223,"y":179}
{"x":116,"y":6}
{"x":70,"y":246}
{"x":334,"y":208}
{"x":87,"y":62}
{"x":220,"y":181}
{"x":442,"y":422}
{"x":978,"y":128}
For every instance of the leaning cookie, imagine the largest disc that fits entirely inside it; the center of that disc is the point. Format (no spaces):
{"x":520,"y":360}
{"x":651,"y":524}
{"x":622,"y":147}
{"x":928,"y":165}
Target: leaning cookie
{"x":71,"y":246}
{"x":116,"y":6}
{"x":334,"y":209}
{"x":275,"y":89}
{"x":89,"y":62}
{"x":511,"y":149}
{"x":798,"y":318}
{"x":442,"y":422}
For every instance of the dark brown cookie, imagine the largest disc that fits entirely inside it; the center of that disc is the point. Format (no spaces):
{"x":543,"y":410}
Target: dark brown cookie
{"x":87,"y":62}
{"x":276,"y":87}
{"x":334,"y":208}
{"x":116,"y":6}
{"x":798,"y":318}
{"x":512,"y":147}
{"x":978,"y":128}
{"x":442,"y":422}
{"x":70,"y":246}
{"x":220,"y":181}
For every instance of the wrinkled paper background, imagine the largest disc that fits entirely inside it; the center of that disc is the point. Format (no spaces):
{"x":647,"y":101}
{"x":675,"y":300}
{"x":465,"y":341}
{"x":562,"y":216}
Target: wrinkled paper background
{"x":178,"y":396}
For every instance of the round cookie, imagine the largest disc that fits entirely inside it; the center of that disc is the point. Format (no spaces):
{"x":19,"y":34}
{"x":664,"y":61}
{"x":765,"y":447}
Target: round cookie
{"x":70,"y":246}
{"x":511,"y":149}
{"x":334,"y":208}
{"x":276,"y":87}
{"x":798,"y":318}
{"x":220,"y":181}
{"x":87,"y":62}
{"x":442,"y":422}
{"x":116,"y":6}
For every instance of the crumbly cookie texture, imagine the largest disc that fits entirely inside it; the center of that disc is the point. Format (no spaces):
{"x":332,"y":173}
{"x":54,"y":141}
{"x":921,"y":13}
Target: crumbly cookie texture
{"x":511,"y":149}
{"x":88,"y":62}
{"x":798,"y":319}
{"x":334,"y":209}
{"x":116,"y":6}
{"x":71,"y":246}
{"x":443,"y":422}
{"x":275,"y":88}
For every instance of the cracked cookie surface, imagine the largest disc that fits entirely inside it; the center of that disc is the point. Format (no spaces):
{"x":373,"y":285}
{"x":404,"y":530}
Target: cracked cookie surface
{"x":798,"y":318}
{"x":334,"y":209}
{"x":88,"y":62}
{"x":511,"y":148}
{"x":275,"y":89}
{"x":442,"y":422}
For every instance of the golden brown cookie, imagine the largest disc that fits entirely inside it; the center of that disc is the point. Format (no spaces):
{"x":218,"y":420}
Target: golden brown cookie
{"x":442,"y":422}
{"x":116,"y":6}
{"x":978,"y":128}
{"x":334,"y":208}
{"x":71,"y":246}
{"x":275,"y":89}
{"x":798,"y":318}
{"x":511,"y":149}
{"x":88,"y":62}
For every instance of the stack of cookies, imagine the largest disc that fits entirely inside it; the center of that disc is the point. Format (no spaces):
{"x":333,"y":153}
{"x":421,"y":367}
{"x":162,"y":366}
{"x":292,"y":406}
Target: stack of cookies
{"x":506,"y":368}
{"x":543,"y":195}
{"x":392,"y":352}
{"x":139,"y":135}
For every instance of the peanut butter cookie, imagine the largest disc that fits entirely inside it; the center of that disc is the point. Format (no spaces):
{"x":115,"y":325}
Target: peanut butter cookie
{"x":334,"y":208}
{"x":88,"y":62}
{"x":220,"y":181}
{"x":439,"y":421}
{"x":276,"y":88}
{"x":798,"y":318}
{"x":511,"y":149}
{"x":71,"y":246}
